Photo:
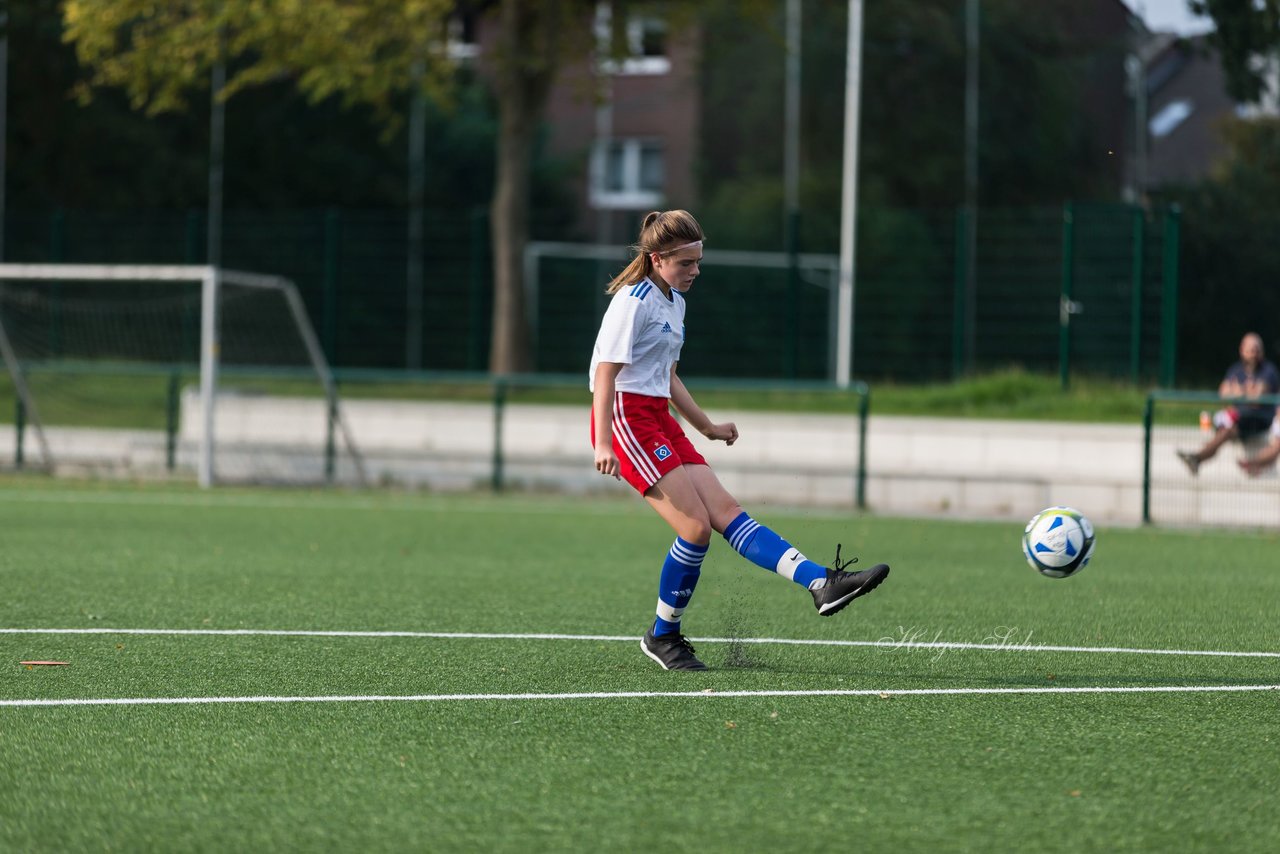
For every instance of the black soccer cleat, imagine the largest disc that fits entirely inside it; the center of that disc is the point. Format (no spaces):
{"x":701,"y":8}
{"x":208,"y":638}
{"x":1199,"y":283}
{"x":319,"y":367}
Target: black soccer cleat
{"x":673,"y":652}
{"x":843,"y":587}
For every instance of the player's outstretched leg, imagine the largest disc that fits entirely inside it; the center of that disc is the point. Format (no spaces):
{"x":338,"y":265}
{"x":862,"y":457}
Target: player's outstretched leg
{"x":842,"y":587}
{"x":832,"y":589}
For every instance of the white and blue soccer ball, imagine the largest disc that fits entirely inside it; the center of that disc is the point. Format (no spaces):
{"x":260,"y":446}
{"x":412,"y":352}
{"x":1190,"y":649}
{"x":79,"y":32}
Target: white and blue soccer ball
{"x":1059,"y":542}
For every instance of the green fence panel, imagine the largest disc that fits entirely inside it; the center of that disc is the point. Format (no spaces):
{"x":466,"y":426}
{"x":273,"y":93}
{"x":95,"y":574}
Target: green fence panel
{"x":746,"y":320}
{"x":905,"y":306}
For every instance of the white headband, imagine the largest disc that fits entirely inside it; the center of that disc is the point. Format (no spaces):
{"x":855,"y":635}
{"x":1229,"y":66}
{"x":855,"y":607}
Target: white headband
{"x":681,"y":246}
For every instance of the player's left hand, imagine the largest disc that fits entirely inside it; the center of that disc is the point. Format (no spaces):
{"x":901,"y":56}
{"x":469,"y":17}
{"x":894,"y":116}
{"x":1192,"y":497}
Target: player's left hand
{"x":728,"y":432}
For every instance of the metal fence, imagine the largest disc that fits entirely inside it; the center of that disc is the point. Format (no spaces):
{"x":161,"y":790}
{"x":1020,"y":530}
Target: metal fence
{"x":1090,"y":288}
{"x":439,"y":431}
{"x":1220,"y":491}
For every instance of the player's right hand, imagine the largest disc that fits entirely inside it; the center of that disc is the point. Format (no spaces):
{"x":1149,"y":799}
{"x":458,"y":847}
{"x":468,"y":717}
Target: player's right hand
{"x":607,"y":462}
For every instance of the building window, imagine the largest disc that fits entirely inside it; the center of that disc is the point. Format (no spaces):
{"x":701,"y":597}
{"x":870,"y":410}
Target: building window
{"x":637,"y":45}
{"x":627,"y":173}
{"x":647,"y":37}
{"x":462,"y":31}
{"x":1169,"y":117}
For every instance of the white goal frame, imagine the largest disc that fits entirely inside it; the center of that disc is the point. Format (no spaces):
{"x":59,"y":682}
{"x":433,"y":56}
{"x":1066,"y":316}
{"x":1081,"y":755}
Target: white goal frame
{"x":210,"y":280}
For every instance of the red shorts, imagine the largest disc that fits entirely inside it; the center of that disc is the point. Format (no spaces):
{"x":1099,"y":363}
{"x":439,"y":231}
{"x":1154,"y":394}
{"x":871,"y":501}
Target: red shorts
{"x":647,"y":439}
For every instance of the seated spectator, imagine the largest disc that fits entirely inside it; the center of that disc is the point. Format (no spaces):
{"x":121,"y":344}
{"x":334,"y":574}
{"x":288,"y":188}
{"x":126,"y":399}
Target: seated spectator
{"x":1252,"y":376}
{"x":1257,"y":463}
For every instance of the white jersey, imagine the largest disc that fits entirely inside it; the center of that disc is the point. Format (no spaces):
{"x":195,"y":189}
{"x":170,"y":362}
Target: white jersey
{"x":644,"y":331}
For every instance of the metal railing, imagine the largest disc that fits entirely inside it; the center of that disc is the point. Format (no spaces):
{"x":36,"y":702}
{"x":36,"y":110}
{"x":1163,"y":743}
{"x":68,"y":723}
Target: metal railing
{"x":1217,"y":492}
{"x":496,"y":393}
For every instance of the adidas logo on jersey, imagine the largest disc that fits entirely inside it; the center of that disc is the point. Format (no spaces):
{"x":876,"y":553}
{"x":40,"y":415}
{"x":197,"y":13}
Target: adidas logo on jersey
{"x":666,"y":327}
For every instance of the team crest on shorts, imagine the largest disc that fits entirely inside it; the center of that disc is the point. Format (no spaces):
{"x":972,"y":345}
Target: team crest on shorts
{"x":661,"y":452}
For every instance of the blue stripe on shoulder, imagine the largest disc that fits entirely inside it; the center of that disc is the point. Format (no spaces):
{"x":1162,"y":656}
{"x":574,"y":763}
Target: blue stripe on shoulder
{"x":641,"y":290}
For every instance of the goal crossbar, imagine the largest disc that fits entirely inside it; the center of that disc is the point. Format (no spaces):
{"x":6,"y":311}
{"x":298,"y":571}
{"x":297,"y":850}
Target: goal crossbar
{"x":210,"y":279}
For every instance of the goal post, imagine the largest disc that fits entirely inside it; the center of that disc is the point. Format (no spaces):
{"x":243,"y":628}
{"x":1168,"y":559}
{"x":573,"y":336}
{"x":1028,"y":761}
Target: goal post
{"x":30,"y":301}
{"x":26,"y":401}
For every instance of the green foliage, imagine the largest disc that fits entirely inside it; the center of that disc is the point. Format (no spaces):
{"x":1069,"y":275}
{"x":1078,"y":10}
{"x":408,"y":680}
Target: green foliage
{"x":1010,"y":394}
{"x":745,"y":214}
{"x":1015,"y":393}
{"x":363,"y":52}
{"x":897,"y":251}
{"x":99,"y":155}
{"x":1231,"y":259}
{"x":1043,"y":85}
{"x":1246,"y":36}
{"x":1038,"y":142}
{"x":283,"y":149}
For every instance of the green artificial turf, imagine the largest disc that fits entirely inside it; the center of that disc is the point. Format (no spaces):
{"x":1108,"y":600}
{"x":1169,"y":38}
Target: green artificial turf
{"x":697,"y":771}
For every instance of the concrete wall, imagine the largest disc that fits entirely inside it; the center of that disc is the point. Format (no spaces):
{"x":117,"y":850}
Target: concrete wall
{"x":936,"y":466}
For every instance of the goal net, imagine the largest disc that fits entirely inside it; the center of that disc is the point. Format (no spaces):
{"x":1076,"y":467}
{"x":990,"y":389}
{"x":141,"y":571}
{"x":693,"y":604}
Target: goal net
{"x":138,"y":370}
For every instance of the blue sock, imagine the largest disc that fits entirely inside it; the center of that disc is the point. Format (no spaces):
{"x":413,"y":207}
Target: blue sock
{"x":680,"y":573}
{"x":764,"y":548}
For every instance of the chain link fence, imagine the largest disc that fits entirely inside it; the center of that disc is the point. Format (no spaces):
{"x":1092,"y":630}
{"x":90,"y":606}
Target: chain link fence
{"x":1090,"y":288}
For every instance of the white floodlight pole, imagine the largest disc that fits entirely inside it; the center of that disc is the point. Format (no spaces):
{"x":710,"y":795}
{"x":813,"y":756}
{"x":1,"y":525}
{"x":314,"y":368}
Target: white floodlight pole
{"x":971,"y":105}
{"x":791,"y":112}
{"x":4,"y":112}
{"x":208,"y":369}
{"x":415,"y":274}
{"x":849,"y":197}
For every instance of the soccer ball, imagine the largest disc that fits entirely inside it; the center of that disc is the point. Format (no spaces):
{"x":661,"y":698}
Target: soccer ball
{"x":1058,"y":542}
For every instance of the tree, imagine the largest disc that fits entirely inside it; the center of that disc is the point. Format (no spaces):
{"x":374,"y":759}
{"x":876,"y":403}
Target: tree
{"x":1247,"y":37}
{"x":532,"y":38}
{"x":365,"y":51}
{"x":56,"y":157}
{"x":535,"y":40}
{"x":1039,"y":142}
{"x":1230,"y":258}
{"x":286,"y":150}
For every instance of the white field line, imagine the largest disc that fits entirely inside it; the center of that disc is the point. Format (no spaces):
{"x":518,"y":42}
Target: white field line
{"x":636,"y":695}
{"x":884,"y":643}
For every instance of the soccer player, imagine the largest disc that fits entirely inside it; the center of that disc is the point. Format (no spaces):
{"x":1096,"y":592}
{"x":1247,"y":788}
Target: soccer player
{"x":633,"y":382}
{"x":1252,"y":376}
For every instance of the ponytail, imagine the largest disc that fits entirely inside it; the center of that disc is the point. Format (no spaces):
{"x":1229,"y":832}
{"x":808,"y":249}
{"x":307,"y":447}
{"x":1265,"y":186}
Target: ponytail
{"x":659,"y":231}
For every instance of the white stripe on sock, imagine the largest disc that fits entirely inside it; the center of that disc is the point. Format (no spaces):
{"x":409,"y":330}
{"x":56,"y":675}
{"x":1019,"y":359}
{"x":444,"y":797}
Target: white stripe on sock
{"x":788,"y":563}
{"x":740,"y":535}
{"x":666,"y":612}
{"x":687,"y":557}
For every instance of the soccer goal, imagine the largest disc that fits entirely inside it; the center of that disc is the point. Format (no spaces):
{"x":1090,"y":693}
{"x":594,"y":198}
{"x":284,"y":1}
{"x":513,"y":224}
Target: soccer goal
{"x":141,"y":367}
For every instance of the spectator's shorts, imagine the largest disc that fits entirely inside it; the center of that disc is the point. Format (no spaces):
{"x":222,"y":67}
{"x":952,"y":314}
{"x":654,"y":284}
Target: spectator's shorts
{"x":1250,"y":421}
